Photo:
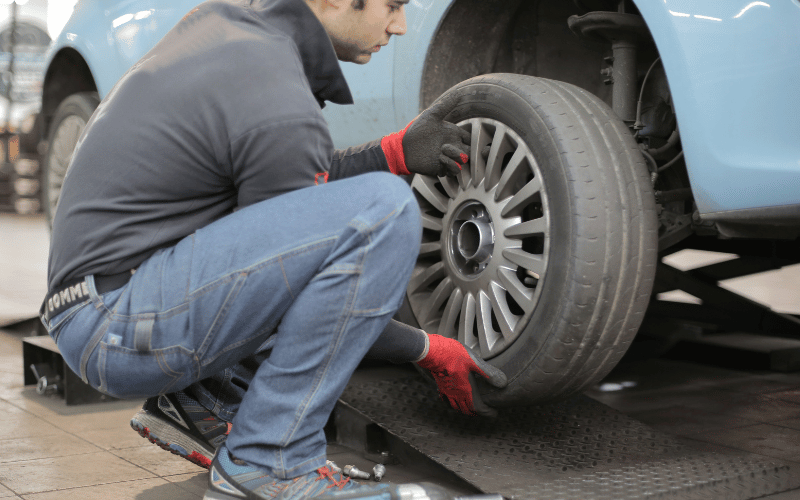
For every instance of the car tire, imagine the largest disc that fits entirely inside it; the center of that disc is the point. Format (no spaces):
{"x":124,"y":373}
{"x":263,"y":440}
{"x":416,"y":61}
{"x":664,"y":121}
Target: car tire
{"x":68,"y":123}
{"x":541,"y":254}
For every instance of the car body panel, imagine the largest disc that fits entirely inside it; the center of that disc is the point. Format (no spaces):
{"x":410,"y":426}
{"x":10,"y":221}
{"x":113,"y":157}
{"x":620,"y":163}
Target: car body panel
{"x":424,"y":18}
{"x":373,"y":114}
{"x":111,"y":36}
{"x":388,"y":90}
{"x":733,"y":69}
{"x":732,"y":66}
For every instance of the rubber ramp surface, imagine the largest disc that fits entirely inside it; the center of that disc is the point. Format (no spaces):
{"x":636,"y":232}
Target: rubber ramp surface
{"x":575,"y":449}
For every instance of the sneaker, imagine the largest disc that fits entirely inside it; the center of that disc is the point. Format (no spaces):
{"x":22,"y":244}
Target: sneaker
{"x":179,"y":424}
{"x":231,"y":479}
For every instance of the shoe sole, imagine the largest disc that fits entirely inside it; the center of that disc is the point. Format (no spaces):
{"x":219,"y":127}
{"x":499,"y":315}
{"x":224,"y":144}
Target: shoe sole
{"x":215,"y":495}
{"x":171,"y":439}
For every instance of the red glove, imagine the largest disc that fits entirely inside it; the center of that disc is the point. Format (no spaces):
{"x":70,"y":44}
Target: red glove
{"x":453,"y":367}
{"x":392,"y":146}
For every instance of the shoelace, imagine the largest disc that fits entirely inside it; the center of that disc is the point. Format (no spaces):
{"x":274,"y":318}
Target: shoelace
{"x":327,"y":473}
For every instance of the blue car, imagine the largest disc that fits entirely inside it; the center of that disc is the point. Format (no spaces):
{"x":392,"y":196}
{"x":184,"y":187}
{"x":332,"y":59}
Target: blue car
{"x":606,"y":134}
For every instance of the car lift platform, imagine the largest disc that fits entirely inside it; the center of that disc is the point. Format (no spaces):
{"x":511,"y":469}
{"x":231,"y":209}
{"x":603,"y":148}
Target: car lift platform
{"x":574,"y":449}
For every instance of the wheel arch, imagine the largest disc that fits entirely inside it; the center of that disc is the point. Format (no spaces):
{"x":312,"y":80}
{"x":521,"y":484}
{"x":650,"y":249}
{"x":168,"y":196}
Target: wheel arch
{"x":68,"y":73}
{"x":497,"y":41}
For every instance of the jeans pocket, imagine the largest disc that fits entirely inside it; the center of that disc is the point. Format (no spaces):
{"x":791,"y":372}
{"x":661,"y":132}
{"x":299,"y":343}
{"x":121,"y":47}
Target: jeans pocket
{"x":128,"y":374}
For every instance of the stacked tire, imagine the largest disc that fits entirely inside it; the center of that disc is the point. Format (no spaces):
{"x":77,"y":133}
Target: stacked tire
{"x":26,"y":181}
{"x":21,"y":177}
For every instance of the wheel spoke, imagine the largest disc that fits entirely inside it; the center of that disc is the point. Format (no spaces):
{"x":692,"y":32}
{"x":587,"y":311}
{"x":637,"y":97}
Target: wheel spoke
{"x":467,"y":324}
{"x":425,"y":186}
{"x":529,"y":228}
{"x":450,"y":185}
{"x":523,"y":196}
{"x":506,"y":319}
{"x":500,"y":147}
{"x":511,"y":171}
{"x":71,"y":128}
{"x":432,"y":248}
{"x":425,"y":277}
{"x":464,"y":177}
{"x":447,"y":325}
{"x":432,"y":223}
{"x":477,"y":165}
{"x":519,"y":292}
{"x":525,"y":260}
{"x":61,"y":139}
{"x":441,"y":293}
{"x":487,"y":336}
{"x":77,"y":128}
{"x":53,"y":196}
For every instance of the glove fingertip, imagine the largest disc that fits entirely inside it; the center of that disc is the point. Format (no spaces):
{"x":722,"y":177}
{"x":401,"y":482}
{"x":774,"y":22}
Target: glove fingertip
{"x":496,"y":377}
{"x":463,"y":407}
{"x":491,"y":373}
{"x":443,"y":106}
{"x":481,"y":408}
{"x":488,"y":412}
{"x":449,"y":166}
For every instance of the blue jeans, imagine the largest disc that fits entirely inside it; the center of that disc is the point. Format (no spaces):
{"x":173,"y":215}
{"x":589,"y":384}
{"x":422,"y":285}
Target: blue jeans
{"x":311,"y":277}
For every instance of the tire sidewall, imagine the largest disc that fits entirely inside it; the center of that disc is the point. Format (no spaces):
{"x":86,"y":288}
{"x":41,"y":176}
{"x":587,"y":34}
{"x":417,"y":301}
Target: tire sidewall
{"x":82,"y":105}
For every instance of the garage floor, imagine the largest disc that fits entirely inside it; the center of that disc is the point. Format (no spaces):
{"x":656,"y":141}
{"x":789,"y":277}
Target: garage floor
{"x":53,"y":451}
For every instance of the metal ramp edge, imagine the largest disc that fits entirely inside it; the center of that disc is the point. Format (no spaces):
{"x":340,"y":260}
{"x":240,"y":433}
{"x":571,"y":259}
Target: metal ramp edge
{"x":573,"y":449}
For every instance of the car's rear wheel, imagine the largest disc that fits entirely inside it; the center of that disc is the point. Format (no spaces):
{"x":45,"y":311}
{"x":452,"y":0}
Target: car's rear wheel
{"x":68,"y":123}
{"x":541,"y":254}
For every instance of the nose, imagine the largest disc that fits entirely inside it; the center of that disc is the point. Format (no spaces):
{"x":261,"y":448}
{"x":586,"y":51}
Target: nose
{"x":398,"y":25}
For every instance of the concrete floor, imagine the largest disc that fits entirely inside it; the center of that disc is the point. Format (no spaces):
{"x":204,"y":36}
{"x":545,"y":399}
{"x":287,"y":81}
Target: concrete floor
{"x":51,"y":451}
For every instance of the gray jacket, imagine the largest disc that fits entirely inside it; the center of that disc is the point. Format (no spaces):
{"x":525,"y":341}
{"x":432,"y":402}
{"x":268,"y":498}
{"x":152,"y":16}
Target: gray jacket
{"x":224,"y":112}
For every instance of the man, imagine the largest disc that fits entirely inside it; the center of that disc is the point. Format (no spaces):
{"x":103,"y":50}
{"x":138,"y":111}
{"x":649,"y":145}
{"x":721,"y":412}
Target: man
{"x":206,"y":217}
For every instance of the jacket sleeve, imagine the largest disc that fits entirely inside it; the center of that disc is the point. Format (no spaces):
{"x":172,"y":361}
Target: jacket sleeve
{"x":368,"y":157}
{"x":399,"y":343}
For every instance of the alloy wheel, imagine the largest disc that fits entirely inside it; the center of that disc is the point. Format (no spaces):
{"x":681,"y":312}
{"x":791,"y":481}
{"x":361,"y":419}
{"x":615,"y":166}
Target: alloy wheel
{"x":485,"y":243}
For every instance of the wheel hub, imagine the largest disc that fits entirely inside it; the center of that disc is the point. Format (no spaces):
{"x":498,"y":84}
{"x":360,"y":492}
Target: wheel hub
{"x":472,"y":239}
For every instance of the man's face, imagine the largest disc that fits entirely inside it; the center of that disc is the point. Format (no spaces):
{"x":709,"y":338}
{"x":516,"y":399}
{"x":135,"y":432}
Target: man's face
{"x":357,"y":34}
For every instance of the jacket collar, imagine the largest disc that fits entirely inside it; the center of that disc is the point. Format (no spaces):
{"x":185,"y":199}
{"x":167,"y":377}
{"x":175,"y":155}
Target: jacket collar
{"x":296,"y":20}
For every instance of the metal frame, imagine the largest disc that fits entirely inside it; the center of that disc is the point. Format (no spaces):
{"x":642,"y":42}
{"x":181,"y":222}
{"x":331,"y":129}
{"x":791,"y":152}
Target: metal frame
{"x":722,"y":309}
{"x":41,"y":358}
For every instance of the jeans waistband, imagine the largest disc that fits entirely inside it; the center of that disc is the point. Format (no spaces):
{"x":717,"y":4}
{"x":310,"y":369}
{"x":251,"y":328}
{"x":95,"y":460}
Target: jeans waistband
{"x":75,"y":292}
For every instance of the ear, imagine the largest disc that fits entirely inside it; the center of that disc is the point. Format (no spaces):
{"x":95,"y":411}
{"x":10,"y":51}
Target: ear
{"x":336,"y":4}
{"x":321,"y":7}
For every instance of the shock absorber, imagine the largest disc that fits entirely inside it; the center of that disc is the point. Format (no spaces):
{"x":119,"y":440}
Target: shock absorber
{"x":625,"y":32}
